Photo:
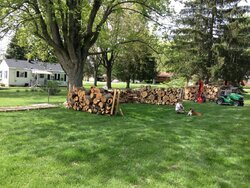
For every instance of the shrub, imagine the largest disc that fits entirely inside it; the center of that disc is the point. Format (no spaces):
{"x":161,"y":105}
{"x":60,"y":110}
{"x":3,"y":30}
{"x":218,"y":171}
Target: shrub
{"x":33,"y":89}
{"x":53,"y":87}
{"x":17,"y":90}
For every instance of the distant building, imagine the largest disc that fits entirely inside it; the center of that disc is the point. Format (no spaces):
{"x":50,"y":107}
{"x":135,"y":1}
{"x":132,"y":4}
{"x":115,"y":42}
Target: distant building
{"x":163,"y":77}
{"x":30,"y":73}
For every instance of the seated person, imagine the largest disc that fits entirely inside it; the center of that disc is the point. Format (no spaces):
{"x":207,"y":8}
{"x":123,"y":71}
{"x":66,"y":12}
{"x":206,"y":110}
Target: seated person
{"x":179,"y":107}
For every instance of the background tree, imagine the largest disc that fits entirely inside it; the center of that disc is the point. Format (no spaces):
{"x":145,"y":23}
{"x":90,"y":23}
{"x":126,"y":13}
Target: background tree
{"x":233,"y":51}
{"x":121,"y":29}
{"x":95,"y":63}
{"x":201,"y":28}
{"x":15,"y":51}
{"x":24,"y":46}
{"x":138,"y":64}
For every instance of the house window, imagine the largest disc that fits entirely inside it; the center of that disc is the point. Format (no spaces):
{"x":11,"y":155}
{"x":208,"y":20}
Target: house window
{"x":21,"y":74}
{"x":65,"y":77}
{"x":6,"y":74}
{"x":58,"y":78}
{"x":41,"y":75}
{"x":48,"y":77}
{"x":55,"y":76}
{"x":1,"y":75}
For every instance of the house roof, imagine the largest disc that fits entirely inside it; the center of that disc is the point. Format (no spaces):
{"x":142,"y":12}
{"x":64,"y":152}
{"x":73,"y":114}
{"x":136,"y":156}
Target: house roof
{"x":24,"y":64}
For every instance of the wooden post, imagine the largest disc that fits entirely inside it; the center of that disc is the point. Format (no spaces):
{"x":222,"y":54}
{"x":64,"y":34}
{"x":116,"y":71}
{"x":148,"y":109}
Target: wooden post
{"x":48,"y":95}
{"x":117,"y":108}
{"x":117,"y":102}
{"x":113,"y":104}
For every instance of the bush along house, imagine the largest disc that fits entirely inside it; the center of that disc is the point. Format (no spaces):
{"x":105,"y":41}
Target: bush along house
{"x":30,"y":73}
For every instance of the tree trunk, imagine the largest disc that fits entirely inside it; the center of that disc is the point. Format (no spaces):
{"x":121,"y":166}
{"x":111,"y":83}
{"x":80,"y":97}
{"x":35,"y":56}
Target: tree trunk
{"x":75,"y":77}
{"x":187,"y":81}
{"x":73,"y":68}
{"x":128,"y":83}
{"x":109,"y":74}
{"x":95,"y":77}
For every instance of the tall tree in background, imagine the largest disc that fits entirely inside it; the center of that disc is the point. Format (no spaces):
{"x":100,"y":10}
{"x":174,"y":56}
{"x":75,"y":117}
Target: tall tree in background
{"x":125,"y":27}
{"x":70,"y":27}
{"x":15,"y":51}
{"x":234,"y":50}
{"x":138,"y":64}
{"x":25,"y":46}
{"x":201,"y":28}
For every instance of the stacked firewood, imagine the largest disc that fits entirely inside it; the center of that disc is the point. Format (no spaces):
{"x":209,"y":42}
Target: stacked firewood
{"x":95,"y":100}
{"x":190,"y":92}
{"x":209,"y":92}
{"x":163,"y":96}
{"x":149,"y":95}
{"x":129,"y":96}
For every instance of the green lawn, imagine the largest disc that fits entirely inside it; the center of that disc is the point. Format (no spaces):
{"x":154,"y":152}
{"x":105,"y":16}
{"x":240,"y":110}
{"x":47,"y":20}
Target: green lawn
{"x":150,"y":147}
{"x":26,"y":96}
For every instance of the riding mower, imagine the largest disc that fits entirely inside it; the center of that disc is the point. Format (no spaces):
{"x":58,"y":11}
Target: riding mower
{"x":230,"y":99}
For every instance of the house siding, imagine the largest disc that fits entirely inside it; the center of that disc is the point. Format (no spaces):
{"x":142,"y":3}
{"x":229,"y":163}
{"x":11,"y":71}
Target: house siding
{"x":14,"y":79}
{"x":4,"y":70}
{"x":19,"y":81}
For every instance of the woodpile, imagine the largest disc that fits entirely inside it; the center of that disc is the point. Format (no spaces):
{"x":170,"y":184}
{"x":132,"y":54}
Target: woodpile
{"x":102,"y":101}
{"x":190,"y":92}
{"x":164,"y":96}
{"x":210,"y":92}
{"x":95,"y":100}
{"x":129,"y":96}
{"x":146,"y":94}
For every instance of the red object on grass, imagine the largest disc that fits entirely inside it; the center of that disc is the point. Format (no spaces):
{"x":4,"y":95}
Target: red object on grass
{"x":199,"y":98}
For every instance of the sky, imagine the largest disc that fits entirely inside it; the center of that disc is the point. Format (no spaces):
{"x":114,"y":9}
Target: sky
{"x":176,"y":5}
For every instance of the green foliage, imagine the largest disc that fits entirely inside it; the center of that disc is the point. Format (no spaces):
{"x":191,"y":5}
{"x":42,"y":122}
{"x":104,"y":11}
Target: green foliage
{"x":205,"y":25}
{"x":52,"y":87}
{"x":35,"y":48}
{"x":234,"y":64}
{"x":123,"y":32}
{"x":15,"y":51}
{"x":69,"y":29}
{"x":176,"y":82}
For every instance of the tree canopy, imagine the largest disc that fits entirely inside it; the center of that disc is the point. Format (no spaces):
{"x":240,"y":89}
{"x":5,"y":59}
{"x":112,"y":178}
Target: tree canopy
{"x":70,"y":27}
{"x":204,"y":27}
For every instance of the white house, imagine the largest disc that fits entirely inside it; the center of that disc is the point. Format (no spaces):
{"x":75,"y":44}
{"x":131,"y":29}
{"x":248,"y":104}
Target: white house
{"x":30,"y":73}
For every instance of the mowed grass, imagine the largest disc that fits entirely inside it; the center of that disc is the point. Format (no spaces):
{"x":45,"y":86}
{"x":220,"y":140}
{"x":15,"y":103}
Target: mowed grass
{"x":26,"y":96}
{"x":151,"y":146}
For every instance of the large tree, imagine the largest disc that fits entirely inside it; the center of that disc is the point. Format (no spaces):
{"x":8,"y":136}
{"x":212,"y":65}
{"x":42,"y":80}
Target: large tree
{"x":139,"y":64}
{"x":70,"y":27}
{"x":234,"y":51}
{"x":15,"y":51}
{"x":201,"y":28}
